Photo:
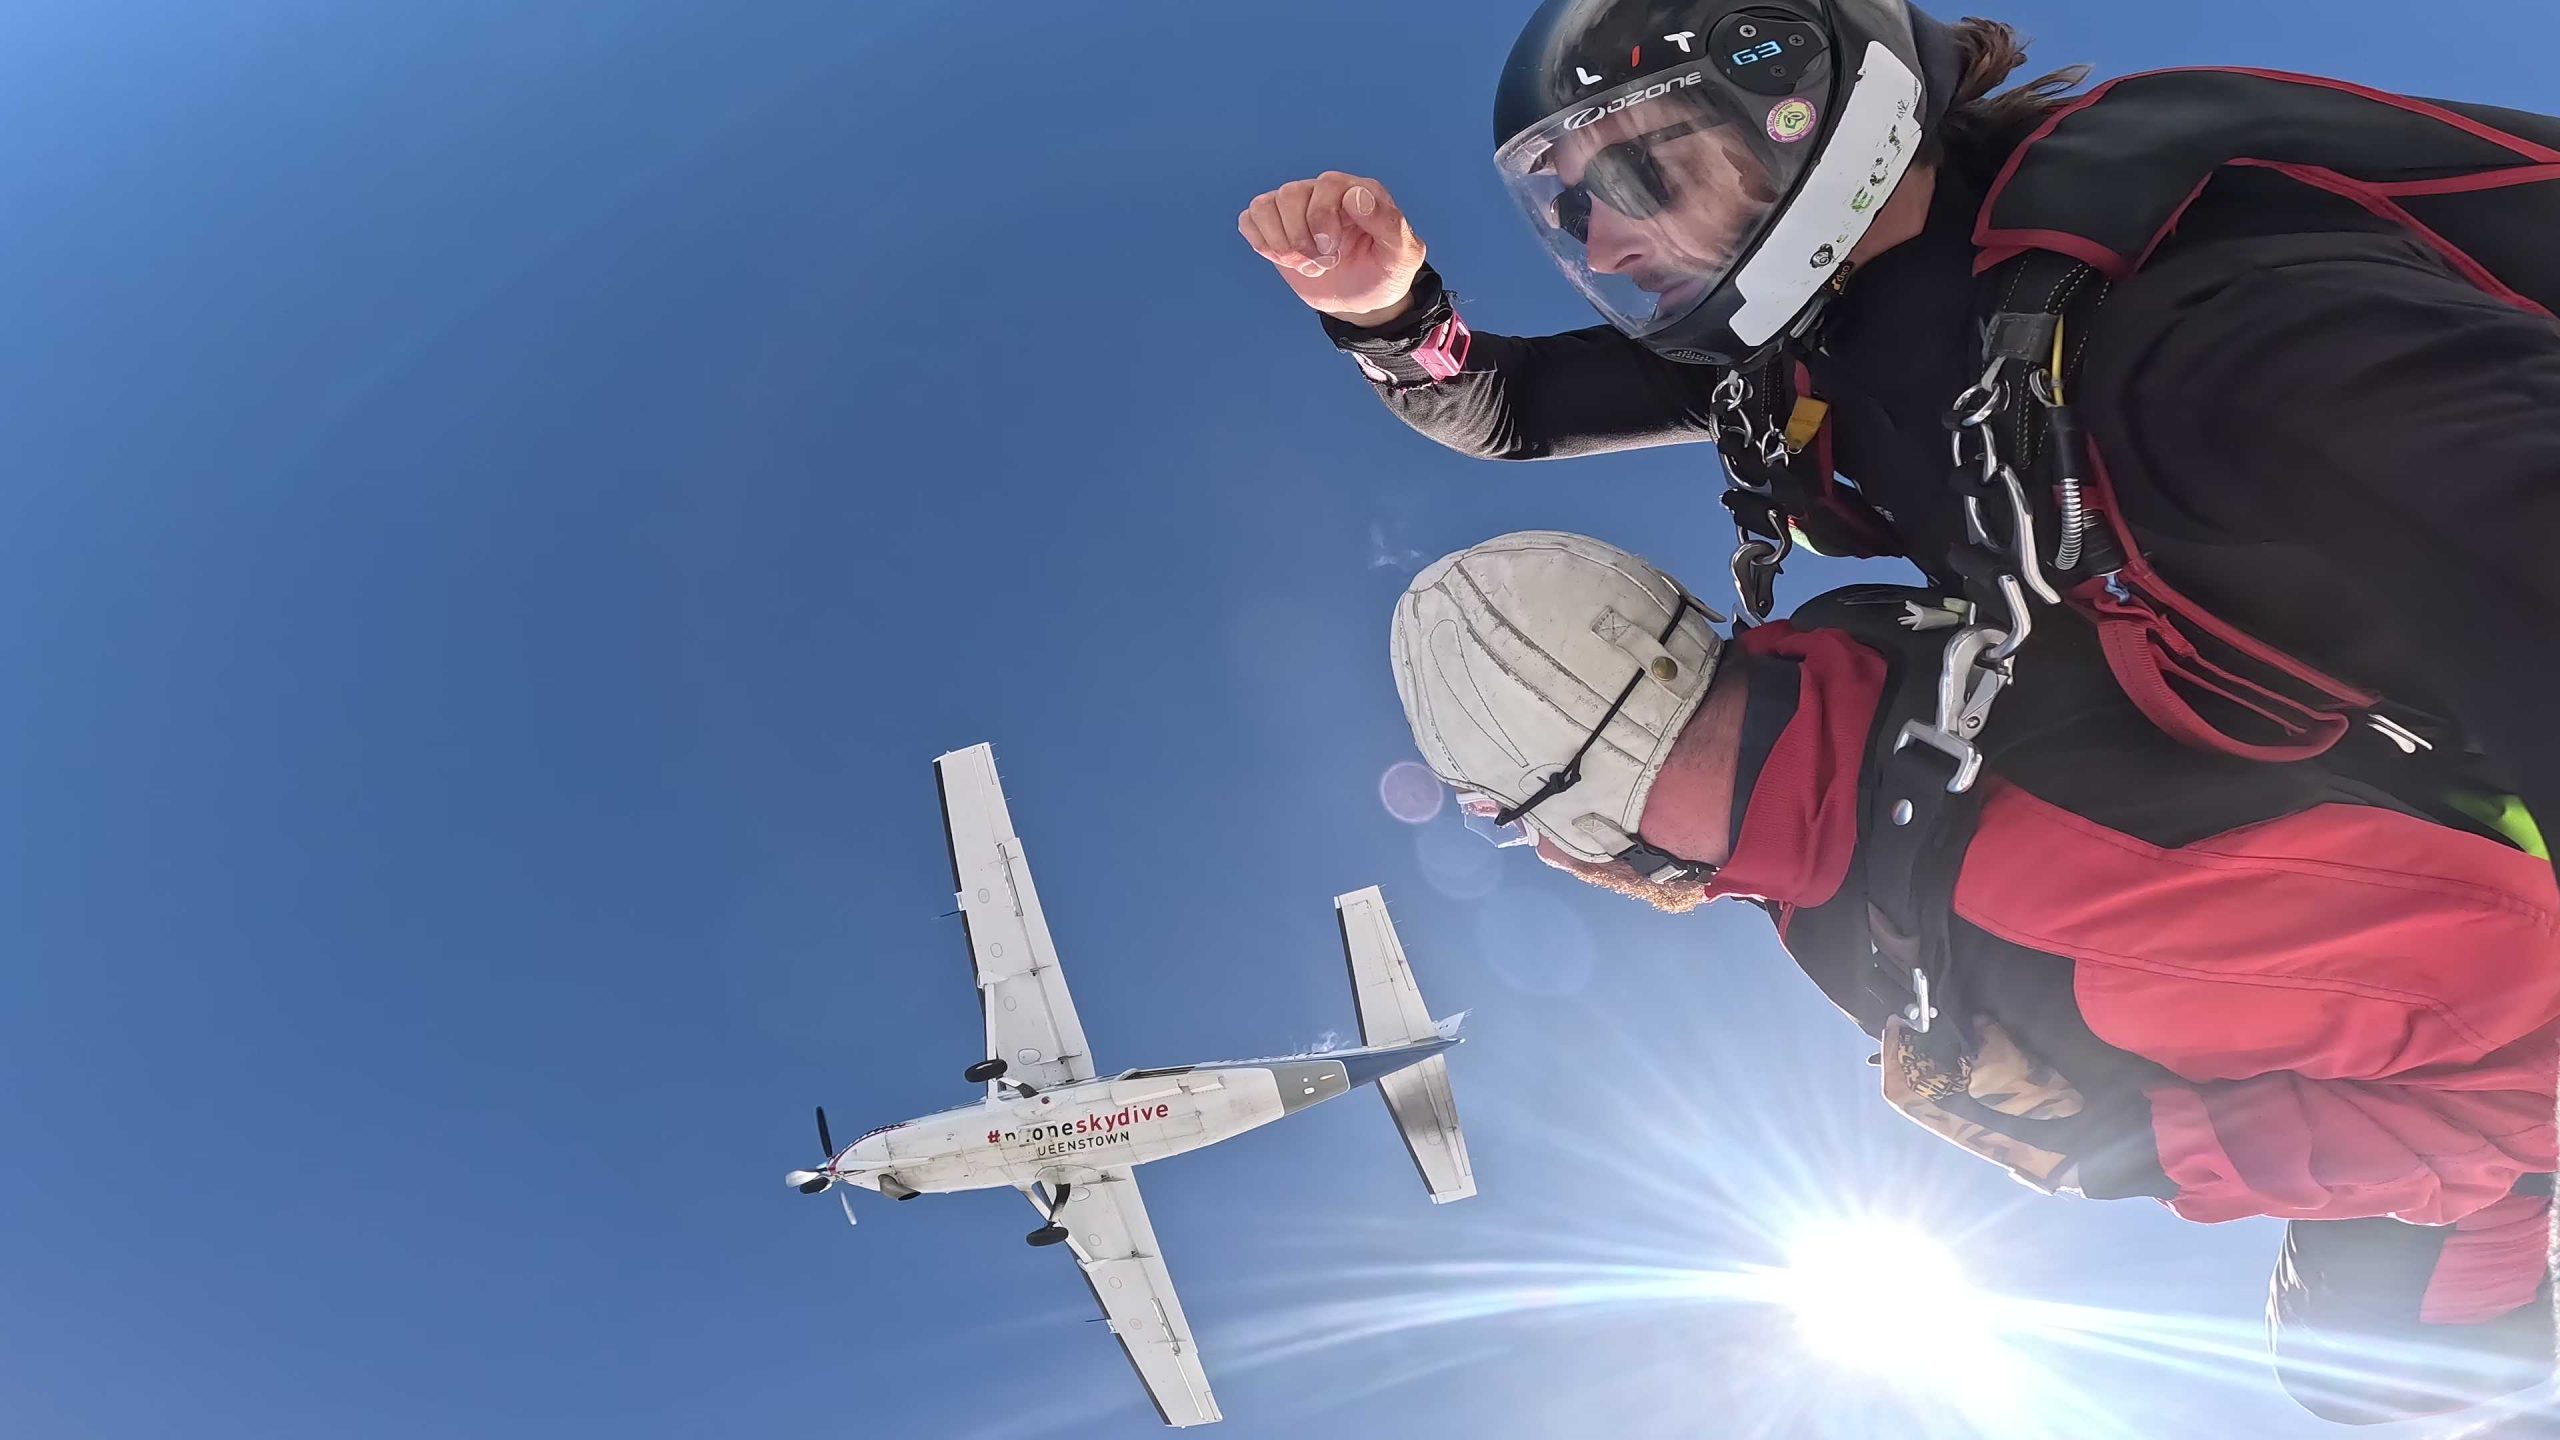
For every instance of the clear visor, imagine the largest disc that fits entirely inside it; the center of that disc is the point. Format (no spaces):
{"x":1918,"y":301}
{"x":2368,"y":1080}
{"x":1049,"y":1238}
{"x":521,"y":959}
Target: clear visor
{"x":1479,"y":809}
{"x":1650,"y":196}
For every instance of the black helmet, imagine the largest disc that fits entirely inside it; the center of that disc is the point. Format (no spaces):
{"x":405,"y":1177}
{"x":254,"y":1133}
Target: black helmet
{"x":1727,"y":153}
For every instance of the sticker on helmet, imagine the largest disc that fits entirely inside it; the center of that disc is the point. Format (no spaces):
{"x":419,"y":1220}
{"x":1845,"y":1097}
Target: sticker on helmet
{"x":1791,"y":120}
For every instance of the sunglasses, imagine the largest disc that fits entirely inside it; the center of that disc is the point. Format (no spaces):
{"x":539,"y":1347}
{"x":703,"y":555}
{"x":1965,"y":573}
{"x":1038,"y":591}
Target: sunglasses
{"x":1481,"y":813}
{"x":1623,"y":177}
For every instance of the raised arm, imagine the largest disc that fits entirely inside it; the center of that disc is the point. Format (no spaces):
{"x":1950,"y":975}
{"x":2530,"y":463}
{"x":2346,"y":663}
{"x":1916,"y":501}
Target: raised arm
{"x":1346,"y":250}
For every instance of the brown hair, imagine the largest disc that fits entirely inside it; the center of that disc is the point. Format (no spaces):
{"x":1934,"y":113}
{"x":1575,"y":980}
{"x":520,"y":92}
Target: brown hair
{"x":1980,"y":123}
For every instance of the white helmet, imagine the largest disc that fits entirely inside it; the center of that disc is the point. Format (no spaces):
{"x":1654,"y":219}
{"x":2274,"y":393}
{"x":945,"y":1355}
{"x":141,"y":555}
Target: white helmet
{"x":1552,"y":673}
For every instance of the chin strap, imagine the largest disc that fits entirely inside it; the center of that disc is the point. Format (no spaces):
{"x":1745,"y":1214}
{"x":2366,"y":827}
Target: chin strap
{"x":1643,"y":856}
{"x":1662,"y":867}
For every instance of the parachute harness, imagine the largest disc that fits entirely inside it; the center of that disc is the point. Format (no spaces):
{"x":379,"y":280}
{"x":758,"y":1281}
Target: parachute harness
{"x":1767,"y":537}
{"x":2001,"y":559}
{"x":1999,"y":563}
{"x":1928,"y":787}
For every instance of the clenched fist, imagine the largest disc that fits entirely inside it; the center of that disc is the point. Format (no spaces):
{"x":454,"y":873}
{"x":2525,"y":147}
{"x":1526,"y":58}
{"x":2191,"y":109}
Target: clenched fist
{"x":1340,"y":243}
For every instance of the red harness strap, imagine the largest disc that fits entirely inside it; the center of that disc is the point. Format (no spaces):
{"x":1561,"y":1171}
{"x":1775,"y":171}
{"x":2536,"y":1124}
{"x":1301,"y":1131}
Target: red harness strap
{"x":2156,"y":639}
{"x":2146,"y":628}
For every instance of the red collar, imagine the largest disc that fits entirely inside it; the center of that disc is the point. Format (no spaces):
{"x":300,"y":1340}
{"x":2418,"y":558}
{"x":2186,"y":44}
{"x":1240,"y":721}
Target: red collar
{"x":1800,"y":826}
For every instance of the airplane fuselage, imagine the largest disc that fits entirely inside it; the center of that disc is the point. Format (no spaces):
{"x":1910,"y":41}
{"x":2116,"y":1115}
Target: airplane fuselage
{"x":1070,"y":1139}
{"x":1069,"y":1133}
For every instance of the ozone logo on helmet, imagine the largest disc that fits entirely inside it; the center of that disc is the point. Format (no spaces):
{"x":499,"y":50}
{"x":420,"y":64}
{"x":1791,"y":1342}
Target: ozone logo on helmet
{"x":1632,"y":99}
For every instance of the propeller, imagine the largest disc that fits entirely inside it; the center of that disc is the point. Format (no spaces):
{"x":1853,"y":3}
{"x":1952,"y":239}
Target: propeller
{"x":812,"y":1182}
{"x":818,"y":1182}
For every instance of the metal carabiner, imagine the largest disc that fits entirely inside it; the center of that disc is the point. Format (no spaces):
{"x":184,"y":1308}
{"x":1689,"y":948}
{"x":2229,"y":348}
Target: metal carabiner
{"x":1968,"y":759}
{"x":2022,"y":519}
{"x":1755,"y":572}
{"x":1990,"y":457}
{"x":1971,"y":674}
{"x":1733,"y":480}
{"x":1983,"y":399}
{"x":1731,"y":391}
{"x":2022,"y":622}
{"x":1971,"y":655}
{"x":1978,"y":404}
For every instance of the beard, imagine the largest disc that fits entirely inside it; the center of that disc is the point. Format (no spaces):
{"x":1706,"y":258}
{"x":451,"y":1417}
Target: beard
{"x":1675,"y":897}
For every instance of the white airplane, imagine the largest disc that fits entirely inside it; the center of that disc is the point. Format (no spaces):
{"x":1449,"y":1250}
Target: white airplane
{"x":1071,"y":1140}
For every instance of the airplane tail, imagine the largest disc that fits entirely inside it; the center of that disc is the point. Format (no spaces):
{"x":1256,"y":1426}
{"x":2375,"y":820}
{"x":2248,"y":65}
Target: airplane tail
{"x":1391,"y":1014}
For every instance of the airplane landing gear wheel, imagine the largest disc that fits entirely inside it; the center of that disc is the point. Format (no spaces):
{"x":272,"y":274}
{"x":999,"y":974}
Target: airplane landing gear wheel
{"x":984,"y":1071}
{"x":1047,"y":1235}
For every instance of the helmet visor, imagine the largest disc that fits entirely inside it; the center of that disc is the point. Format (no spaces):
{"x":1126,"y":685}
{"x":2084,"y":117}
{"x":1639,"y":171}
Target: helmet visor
{"x":1650,"y":196}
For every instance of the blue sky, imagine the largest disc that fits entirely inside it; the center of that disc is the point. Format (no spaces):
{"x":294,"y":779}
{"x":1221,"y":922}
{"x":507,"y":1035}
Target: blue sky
{"x":504,"y":504}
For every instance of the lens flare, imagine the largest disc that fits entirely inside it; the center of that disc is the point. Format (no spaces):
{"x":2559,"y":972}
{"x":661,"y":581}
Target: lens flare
{"x":1411,"y":793}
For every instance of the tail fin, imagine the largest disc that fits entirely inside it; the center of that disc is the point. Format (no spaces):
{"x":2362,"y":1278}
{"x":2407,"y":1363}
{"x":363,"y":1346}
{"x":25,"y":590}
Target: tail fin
{"x":1392,"y":1013}
{"x":1391,"y":1008}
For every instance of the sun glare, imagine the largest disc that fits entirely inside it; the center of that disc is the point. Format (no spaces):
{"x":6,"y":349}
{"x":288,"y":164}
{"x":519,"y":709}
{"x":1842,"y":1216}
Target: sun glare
{"x":1884,"y":1297}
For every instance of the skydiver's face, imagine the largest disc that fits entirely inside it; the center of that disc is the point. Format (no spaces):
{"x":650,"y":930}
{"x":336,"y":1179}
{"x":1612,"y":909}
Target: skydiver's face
{"x":1666,"y":205}
{"x":1677,"y":897}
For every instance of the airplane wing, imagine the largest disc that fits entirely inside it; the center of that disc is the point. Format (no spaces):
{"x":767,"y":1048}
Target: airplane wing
{"x":1392,"y":1013}
{"x":1116,"y":1248}
{"x":1031,"y":1019}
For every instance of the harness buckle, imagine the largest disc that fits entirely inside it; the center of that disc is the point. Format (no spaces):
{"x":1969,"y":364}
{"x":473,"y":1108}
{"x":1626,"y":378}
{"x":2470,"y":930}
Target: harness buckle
{"x":1973,"y":673}
{"x":1968,"y":759}
{"x":1919,"y":1013}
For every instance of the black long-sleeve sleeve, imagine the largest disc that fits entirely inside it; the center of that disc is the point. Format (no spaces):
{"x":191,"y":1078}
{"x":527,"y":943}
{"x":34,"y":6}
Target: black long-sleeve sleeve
{"x":1584,"y":392}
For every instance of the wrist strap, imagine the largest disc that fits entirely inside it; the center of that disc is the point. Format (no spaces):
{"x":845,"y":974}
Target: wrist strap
{"x":1425,"y":345}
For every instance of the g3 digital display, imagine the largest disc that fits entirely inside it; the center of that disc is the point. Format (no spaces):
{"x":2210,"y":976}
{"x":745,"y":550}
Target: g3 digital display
{"x":1769,"y":52}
